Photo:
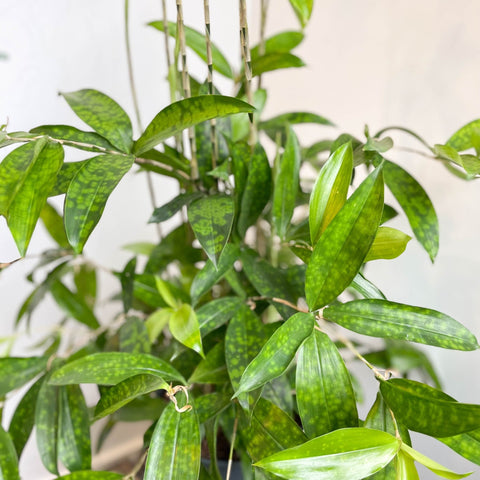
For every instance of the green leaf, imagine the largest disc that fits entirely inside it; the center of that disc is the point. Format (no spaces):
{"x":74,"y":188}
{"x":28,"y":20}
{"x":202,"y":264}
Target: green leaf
{"x":91,"y":475}
{"x":388,"y":243}
{"x":210,"y":405}
{"x":54,"y":224}
{"x":286,"y":185}
{"x":211,"y":219}
{"x":127,"y":280}
{"x":427,"y":410}
{"x":277,"y":353}
{"x":124,"y":392}
{"x":89,"y":141}
{"x":110,"y":368}
{"x":342,"y":248}
{"x":388,"y":213}
{"x":325,"y":396}
{"x":133,"y":336}
{"x":257,"y":190}
{"x":466,"y":137}
{"x":74,"y":449}
{"x":352,"y":453}
{"x":168,"y":210}
{"x":404,"y":468}
{"x":465,"y":444}
{"x":23,"y":419}
{"x":16,"y":371}
{"x":216,"y":313}
{"x":196,"y":41}
{"x":275,"y":61}
{"x":366,"y":288}
{"x":416,"y":205}
{"x":8,"y":458}
{"x":279,"y":123}
{"x":212,"y":369}
{"x":303,"y":10}
{"x":206,"y":278}
{"x":432,"y":465}
{"x":174,"y":451}
{"x":156,"y":322}
{"x":73,"y":305}
{"x":281,"y":42}
{"x":164,"y":290}
{"x":329,"y":193}
{"x":376,"y":145}
{"x":88,"y":193}
{"x":65,"y":175}
{"x":183,"y":324}
{"x":186,"y":113}
{"x":104,"y":115}
{"x":381,"y":318}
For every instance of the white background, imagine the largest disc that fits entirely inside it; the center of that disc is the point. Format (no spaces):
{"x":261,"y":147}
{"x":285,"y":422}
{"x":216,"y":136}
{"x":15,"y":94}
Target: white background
{"x":379,"y":62}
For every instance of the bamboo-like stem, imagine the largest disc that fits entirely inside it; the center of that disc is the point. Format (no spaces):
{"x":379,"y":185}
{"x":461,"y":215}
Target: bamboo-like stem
{"x":208,"y":41}
{"x":263,"y":22}
{"x":186,"y":86}
{"x":232,"y":445}
{"x":165,"y":29}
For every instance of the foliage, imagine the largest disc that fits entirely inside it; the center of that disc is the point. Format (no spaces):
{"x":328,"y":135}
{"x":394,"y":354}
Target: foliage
{"x":230,"y":323}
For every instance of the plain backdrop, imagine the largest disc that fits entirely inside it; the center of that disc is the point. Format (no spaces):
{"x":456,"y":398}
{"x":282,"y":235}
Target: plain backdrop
{"x":372,"y":62}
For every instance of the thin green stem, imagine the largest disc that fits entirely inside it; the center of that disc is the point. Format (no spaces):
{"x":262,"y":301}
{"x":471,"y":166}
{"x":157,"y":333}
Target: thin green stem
{"x":232,"y":445}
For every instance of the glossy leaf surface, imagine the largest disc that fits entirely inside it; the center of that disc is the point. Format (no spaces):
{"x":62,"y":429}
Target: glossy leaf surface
{"x":16,"y":371}
{"x":8,"y":457}
{"x":381,"y":318}
{"x":183,"y":324}
{"x":275,"y":61}
{"x":365,"y":287}
{"x":167,"y":211}
{"x":404,"y":468}
{"x":216,"y":313}
{"x":388,"y":243}
{"x":212,"y":369}
{"x":281,"y":42}
{"x":325,"y":396}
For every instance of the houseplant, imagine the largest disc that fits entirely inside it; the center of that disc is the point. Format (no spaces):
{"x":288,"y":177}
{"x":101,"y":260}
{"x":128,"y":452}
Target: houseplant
{"x":170,"y":286}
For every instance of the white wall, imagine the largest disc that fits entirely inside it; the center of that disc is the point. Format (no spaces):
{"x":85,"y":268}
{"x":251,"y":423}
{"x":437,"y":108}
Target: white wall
{"x":382,"y":63}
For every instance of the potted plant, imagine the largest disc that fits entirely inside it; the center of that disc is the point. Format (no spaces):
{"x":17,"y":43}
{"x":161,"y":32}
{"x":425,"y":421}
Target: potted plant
{"x":228,"y":329}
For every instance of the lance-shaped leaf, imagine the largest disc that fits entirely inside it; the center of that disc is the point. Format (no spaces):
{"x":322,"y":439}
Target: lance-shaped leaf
{"x":127,"y":279}
{"x":277,"y":353}
{"x":88,"y":193}
{"x":281,"y":42}
{"x":156,"y":322}
{"x":16,"y":371}
{"x":168,"y":210}
{"x":365,"y":287}
{"x":257,"y":190}
{"x":74,"y":450}
{"x":104,"y":115}
{"x":89,"y":141}
{"x":352,"y":453}
{"x":174,"y":451}
{"x":133,"y":336}
{"x":286,"y":185}
{"x":416,"y":205}
{"x":186,"y":113}
{"x":325,"y":396}
{"x":23,"y":419}
{"x":183,"y":324}
{"x":381,"y":318}
{"x":275,"y":61}
{"x":431,"y":464}
{"x":65,"y":175}
{"x":8,"y":457}
{"x":209,"y":405}
{"x":465,"y":444}
{"x":211,"y":219}
{"x":110,"y":368}
{"x":124,"y":392}
{"x":427,"y":410}
{"x":196,"y":41}
{"x":73,"y":305}
{"x":389,"y":243}
{"x":329,"y":193}
{"x":340,"y":251}
{"x":303,"y":10}
{"x":91,"y":475}
{"x":404,"y":468}
{"x":216,"y":313}
{"x":466,"y":137}
{"x":212,"y":369}
{"x":53,"y":222}
{"x":206,"y":278}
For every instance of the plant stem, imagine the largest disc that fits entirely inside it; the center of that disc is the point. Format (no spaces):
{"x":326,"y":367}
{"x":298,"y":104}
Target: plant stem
{"x":136,"y":468}
{"x":279,"y":300}
{"x":232,"y":445}
{"x":263,"y":22}
{"x":165,"y":29}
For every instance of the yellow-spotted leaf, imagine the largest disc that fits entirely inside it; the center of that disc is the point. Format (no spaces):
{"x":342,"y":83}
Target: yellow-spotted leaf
{"x":8,"y":457}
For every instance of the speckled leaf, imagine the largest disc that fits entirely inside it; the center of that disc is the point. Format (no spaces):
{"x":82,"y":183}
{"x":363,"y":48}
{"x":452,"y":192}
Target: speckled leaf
{"x":340,"y":251}
{"x":65,"y":175}
{"x":352,"y":453}
{"x":416,"y":205}
{"x":281,"y":42}
{"x":211,"y":404}
{"x":174,"y":452}
{"x":133,"y":336}
{"x":8,"y":458}
{"x":216,"y":313}
{"x":365,"y":287}
{"x":88,"y":193}
{"x":389,"y":243}
{"x":465,"y":444}
{"x":196,"y":41}
{"x":73,"y":305}
{"x":74,"y":450}
{"x":104,"y":115}
{"x":206,"y":278}
{"x":241,"y":153}
{"x":183,"y":324}
{"x":286,"y":185}
{"x":110,"y":368}
{"x":89,"y":141}
{"x":186,"y":113}
{"x":303,"y":10}
{"x":275,"y":61}
{"x":466,"y":137}
{"x":211,"y":219}
{"x":23,"y":419}
{"x":124,"y":392}
{"x":26,"y":187}
{"x":16,"y":371}
{"x":427,"y":410}
{"x":257,"y":190}
{"x":91,"y":475}
{"x":381,"y":318}
{"x":212,"y":369}
{"x":168,"y":210}
{"x":277,"y":353}
{"x":329,"y":193}
{"x":53,"y":222}
{"x":127,"y":279}
{"x":325,"y":396}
